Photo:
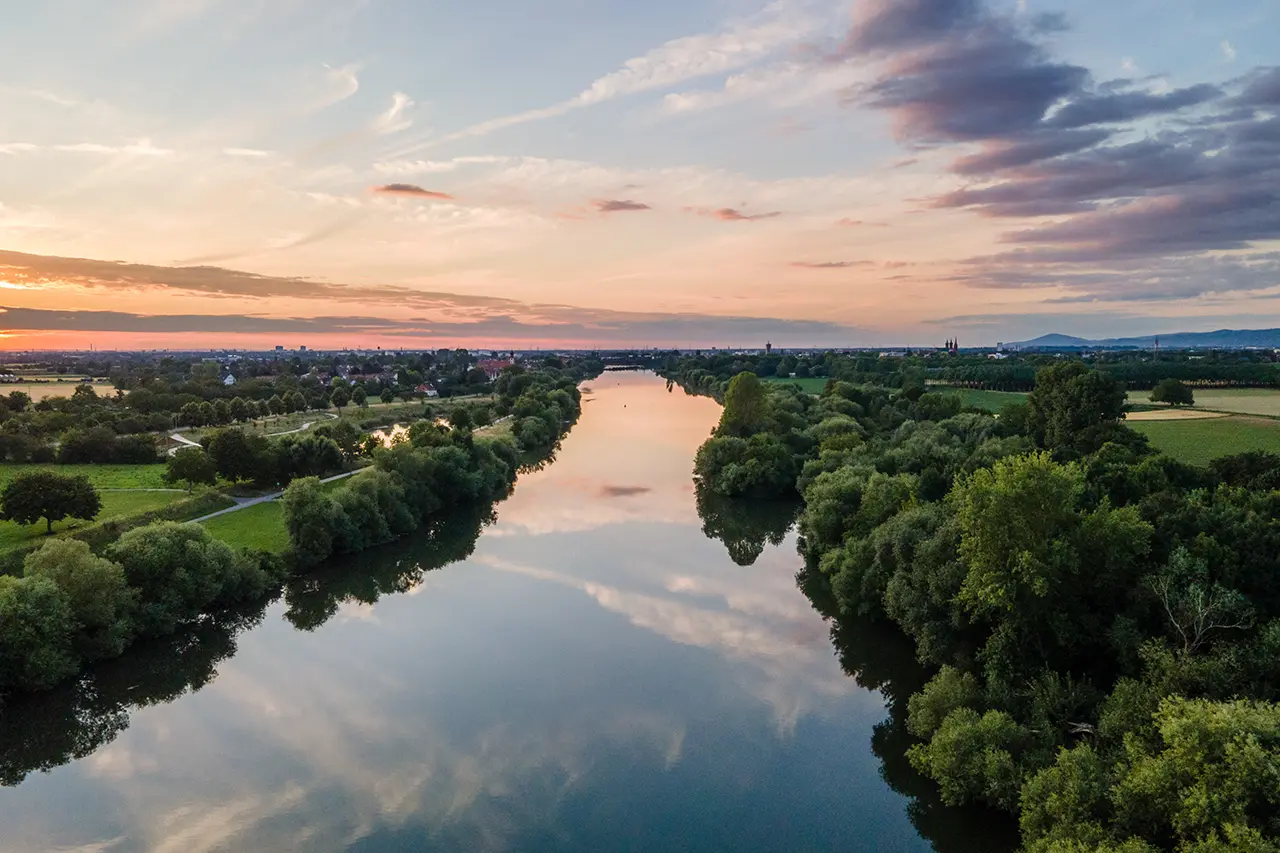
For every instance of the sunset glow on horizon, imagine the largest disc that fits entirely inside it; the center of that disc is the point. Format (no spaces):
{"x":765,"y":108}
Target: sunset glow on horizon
{"x":185,"y":174}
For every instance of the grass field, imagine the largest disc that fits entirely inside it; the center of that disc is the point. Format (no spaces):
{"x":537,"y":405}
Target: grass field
{"x":988,"y":401}
{"x":1244,"y":401}
{"x":259,"y":527}
{"x":1201,"y":441}
{"x":102,"y":476}
{"x":115,"y":505}
{"x":810,"y":385}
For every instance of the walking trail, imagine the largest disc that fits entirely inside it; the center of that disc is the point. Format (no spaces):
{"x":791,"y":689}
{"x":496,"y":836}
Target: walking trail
{"x":242,"y":503}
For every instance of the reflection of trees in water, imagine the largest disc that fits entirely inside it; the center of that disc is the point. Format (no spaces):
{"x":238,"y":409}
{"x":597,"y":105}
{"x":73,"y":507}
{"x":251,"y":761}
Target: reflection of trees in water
{"x":395,"y":568}
{"x":879,"y":657}
{"x":745,"y":527}
{"x":41,"y":731}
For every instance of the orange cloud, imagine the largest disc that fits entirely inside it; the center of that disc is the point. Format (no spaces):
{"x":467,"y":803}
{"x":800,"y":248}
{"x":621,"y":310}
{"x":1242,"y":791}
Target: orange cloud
{"x":729,"y":214}
{"x":411,"y":190}
{"x":829,"y":265}
{"x":611,"y":205}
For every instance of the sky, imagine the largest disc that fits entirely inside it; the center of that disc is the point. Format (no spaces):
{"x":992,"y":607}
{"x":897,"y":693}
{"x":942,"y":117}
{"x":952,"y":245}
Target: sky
{"x":582,"y":173}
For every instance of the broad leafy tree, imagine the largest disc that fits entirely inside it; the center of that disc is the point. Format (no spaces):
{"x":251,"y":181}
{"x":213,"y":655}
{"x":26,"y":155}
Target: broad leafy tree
{"x":34,"y":495}
{"x":191,"y":466}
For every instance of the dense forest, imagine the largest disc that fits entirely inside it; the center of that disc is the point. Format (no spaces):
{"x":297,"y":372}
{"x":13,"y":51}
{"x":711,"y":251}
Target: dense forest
{"x":1102,"y":622}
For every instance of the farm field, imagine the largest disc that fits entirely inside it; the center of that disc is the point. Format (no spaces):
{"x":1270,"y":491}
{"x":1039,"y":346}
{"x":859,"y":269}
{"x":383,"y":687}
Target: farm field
{"x":1244,"y":401}
{"x":1198,"y":442}
{"x":102,"y":476}
{"x":37,"y":391}
{"x":115,"y":505}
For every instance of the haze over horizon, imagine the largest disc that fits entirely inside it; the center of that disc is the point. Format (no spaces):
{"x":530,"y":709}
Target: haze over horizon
{"x":244,"y":173}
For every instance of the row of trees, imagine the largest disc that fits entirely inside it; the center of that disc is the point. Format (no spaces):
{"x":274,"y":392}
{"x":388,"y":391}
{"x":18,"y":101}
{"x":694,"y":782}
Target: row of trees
{"x":1104,"y":621}
{"x":435,"y":473}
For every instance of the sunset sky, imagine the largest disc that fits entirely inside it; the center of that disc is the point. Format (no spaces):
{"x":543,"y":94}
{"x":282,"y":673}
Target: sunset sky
{"x":416,"y":173}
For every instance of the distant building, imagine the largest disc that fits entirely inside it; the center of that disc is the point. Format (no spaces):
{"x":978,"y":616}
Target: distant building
{"x":229,"y":380}
{"x":428,"y":389}
{"x":894,"y":353}
{"x":302,"y":349}
{"x":493,"y":367}
{"x":768,"y":347}
{"x":279,"y":348}
{"x":998,"y":356}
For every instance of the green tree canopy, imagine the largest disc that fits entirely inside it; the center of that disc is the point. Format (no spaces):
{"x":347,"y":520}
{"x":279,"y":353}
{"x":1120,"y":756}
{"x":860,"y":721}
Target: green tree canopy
{"x":1174,"y":392}
{"x":746,"y":406}
{"x":34,"y":495}
{"x":192,"y":466}
{"x":1073,"y":407}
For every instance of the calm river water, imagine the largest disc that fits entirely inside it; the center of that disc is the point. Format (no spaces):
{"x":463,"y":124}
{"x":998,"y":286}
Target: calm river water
{"x":595,"y":673}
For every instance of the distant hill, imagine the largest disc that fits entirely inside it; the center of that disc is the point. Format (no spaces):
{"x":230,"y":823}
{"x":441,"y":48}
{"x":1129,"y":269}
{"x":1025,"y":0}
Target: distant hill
{"x":1221,"y":339}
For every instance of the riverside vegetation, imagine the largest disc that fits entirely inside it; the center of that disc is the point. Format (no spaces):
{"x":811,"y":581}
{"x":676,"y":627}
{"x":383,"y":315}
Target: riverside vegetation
{"x":74,"y":604}
{"x":1103,"y":621}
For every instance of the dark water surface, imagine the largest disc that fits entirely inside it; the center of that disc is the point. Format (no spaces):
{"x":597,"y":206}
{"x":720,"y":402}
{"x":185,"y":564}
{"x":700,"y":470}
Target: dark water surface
{"x":598,"y":674}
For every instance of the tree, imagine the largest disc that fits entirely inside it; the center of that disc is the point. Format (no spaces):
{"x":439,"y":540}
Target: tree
{"x":278,"y":405}
{"x":179,"y":570}
{"x":51,"y":496}
{"x":311,"y":518}
{"x":340,"y":397}
{"x":237,"y":455}
{"x":18,"y":401}
{"x":297,"y":401}
{"x":193,"y":466}
{"x":192,"y":415}
{"x":746,"y":407}
{"x":1074,"y":407}
{"x":96,"y":590}
{"x":1174,"y":392}
{"x":221,"y":412}
{"x":360,"y":397}
{"x":36,"y":626}
{"x":388,"y":395}
{"x":1196,"y":608}
{"x":239,"y":409}
{"x":460,"y":418}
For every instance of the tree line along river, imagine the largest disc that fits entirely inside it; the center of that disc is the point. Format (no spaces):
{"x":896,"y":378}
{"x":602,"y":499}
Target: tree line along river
{"x":610,"y":664}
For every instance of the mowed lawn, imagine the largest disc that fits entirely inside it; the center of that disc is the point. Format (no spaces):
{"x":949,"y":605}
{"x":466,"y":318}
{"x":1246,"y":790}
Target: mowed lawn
{"x":988,"y":401}
{"x":1244,"y":401}
{"x":259,"y":527}
{"x":1198,"y":442}
{"x":115,"y":505}
{"x":810,"y":384}
{"x":102,"y":476}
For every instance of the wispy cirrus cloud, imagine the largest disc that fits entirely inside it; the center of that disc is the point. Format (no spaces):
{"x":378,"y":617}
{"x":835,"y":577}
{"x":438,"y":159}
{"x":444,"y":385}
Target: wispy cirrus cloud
{"x":741,"y":42}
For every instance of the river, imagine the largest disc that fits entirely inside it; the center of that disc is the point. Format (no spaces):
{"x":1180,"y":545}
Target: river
{"x":588,"y":672}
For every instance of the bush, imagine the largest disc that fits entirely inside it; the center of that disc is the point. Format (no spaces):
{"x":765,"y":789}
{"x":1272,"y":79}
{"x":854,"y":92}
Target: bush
{"x":178,"y":570}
